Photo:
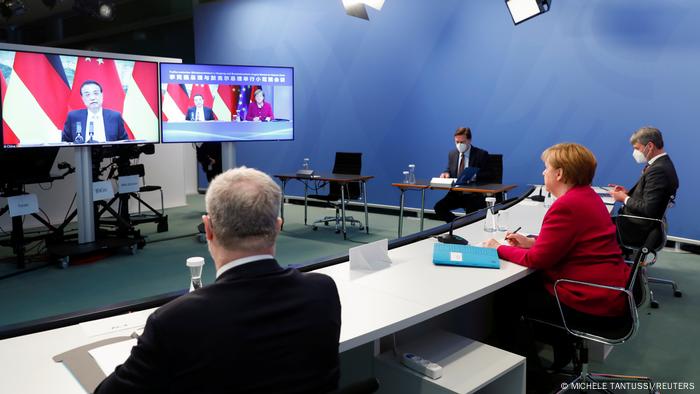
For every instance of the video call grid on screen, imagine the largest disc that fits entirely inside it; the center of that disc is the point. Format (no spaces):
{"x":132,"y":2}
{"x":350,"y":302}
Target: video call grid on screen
{"x":220,"y":103}
{"x":47,"y":102}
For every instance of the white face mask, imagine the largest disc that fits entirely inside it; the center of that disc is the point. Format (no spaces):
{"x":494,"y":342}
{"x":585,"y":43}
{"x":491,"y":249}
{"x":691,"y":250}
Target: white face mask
{"x":639,"y":156}
{"x":462,"y":147}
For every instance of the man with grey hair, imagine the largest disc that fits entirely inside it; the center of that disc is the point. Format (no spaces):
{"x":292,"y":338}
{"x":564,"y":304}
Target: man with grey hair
{"x":652,"y":193}
{"x":259,"y":328}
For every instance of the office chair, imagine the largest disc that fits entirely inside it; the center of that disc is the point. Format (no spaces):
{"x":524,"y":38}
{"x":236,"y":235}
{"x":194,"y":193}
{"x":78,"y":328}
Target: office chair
{"x":157,"y":216}
{"x":495,"y":166}
{"x":630,"y":225}
{"x":346,"y":163}
{"x":615,"y":332}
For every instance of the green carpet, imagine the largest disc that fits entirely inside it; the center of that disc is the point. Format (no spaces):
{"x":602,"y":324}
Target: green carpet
{"x":160,"y":267}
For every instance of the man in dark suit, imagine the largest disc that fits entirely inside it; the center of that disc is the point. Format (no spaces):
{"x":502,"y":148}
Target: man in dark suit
{"x":93,"y":124}
{"x":653,"y":192}
{"x":259,"y":328}
{"x":465,"y":155}
{"x":199,"y":112}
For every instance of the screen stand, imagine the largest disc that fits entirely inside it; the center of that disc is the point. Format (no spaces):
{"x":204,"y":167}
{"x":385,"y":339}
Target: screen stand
{"x":228,"y":155}
{"x":86,"y":212}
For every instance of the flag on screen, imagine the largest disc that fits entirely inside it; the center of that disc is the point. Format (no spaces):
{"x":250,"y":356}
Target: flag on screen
{"x":204,"y":90}
{"x":141,"y":102}
{"x":8,"y":137}
{"x":104,"y":72}
{"x":244,"y":96}
{"x":223,"y":102}
{"x":34,"y":105}
{"x":175,"y":99}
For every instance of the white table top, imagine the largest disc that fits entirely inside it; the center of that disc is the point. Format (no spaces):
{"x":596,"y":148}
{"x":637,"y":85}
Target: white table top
{"x":374,"y":304}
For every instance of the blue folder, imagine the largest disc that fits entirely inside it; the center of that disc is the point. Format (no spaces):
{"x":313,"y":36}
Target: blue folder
{"x":467,"y":176}
{"x":465,"y":256}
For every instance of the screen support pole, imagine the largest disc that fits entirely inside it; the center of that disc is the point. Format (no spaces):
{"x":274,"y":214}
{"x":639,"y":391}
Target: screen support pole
{"x":86,"y":213}
{"x":228,"y":155}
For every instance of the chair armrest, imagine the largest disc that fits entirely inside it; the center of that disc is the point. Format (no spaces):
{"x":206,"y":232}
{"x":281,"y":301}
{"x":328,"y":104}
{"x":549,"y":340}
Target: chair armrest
{"x":631,"y":303}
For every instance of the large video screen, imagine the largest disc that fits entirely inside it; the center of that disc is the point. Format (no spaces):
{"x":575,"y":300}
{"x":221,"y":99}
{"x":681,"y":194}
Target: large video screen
{"x":66,"y":100}
{"x":210,"y":103}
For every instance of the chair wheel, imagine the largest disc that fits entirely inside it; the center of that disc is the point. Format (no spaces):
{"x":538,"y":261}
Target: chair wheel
{"x":654,"y":304}
{"x":337,"y":231}
{"x":326,"y":223}
{"x":678,"y":294}
{"x":362,"y":228}
{"x":314,"y":228}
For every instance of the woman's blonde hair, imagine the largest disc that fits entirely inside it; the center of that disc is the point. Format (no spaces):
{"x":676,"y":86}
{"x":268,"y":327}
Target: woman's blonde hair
{"x":577,"y":162}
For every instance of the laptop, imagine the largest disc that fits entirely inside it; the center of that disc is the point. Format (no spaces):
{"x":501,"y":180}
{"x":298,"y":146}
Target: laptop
{"x":465,"y":256}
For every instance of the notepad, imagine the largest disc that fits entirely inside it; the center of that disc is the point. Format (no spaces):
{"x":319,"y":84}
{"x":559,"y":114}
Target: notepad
{"x":465,"y":256}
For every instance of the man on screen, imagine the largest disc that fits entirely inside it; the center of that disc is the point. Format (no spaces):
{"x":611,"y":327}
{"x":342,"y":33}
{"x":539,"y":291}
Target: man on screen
{"x":93,"y":124}
{"x":199,"y":112}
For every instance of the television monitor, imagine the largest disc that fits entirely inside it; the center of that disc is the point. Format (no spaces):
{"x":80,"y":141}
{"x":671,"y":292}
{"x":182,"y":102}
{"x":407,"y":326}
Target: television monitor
{"x":215,"y":103}
{"x":53,"y":99}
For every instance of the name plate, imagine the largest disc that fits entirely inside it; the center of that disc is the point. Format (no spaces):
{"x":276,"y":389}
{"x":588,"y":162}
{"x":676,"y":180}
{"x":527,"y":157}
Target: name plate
{"x":102,"y":190}
{"x":370,"y":257}
{"x":128,"y":184}
{"x":25,"y":204}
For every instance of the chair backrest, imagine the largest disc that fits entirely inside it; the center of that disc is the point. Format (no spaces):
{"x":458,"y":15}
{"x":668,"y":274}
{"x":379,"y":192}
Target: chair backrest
{"x":495,"y":166}
{"x":633,"y":231}
{"x":347,"y":163}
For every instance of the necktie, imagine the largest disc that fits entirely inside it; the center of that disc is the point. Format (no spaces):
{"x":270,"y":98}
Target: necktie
{"x":461,"y":163}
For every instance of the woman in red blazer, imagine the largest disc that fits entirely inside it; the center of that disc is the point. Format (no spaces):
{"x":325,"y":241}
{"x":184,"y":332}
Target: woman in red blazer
{"x":577,"y":239}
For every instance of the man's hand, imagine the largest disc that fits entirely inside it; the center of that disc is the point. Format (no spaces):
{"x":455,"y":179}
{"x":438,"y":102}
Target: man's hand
{"x":267,"y":119}
{"x":445,"y":175}
{"x":256,"y":119}
{"x":618,"y":193}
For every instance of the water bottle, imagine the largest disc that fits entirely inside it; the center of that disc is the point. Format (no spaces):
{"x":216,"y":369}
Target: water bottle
{"x":490,"y":224}
{"x":306,"y":164}
{"x":195,"y":265}
{"x":406,"y":177}
{"x":548,"y":200}
{"x":411,"y":173}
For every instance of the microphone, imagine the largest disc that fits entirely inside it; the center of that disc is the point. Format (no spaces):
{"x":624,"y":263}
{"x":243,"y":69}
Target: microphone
{"x":539,"y":197}
{"x":78,"y":133}
{"x":452,"y":239}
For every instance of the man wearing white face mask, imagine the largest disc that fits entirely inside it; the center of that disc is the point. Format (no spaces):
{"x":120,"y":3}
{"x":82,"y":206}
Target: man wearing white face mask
{"x":465,"y":155}
{"x":650,"y":196}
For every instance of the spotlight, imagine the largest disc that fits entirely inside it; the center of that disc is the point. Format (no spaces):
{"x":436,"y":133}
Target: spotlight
{"x":10,"y":8}
{"x":522,"y":10}
{"x":100,"y":9}
{"x":357,"y":8}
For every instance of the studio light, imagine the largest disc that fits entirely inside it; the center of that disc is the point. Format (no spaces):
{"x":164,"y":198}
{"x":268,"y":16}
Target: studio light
{"x":358,"y":8}
{"x":100,"y":9}
{"x":522,"y":10}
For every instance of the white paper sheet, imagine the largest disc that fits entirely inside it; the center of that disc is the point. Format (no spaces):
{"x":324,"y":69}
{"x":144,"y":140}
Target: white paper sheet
{"x":110,"y":356}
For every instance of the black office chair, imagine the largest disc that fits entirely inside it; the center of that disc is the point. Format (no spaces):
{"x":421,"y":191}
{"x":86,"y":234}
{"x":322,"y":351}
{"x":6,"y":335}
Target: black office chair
{"x":495,"y":167}
{"x":346,"y":163}
{"x":631,"y":229}
{"x":614,"y":332}
{"x":157,"y":216}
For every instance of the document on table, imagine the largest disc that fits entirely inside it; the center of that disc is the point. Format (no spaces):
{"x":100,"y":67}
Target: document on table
{"x":129,"y":321}
{"x":110,"y":356}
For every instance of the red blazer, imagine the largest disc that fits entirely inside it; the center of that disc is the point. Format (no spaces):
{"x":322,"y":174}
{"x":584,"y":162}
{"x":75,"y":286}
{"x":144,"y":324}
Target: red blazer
{"x":577,"y":241}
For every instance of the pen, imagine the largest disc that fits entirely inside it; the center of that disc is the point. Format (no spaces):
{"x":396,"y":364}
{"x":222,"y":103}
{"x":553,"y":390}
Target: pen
{"x":516,"y":230}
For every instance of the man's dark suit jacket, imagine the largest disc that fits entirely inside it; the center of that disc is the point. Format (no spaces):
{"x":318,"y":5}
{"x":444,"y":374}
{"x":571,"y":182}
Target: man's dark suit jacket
{"x":259,"y":328}
{"x":114,"y":125}
{"x":649,"y":197}
{"x":208,"y":113}
{"x":210,"y":150}
{"x":477,"y":158}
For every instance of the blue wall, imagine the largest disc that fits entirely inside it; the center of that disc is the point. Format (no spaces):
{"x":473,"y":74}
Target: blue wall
{"x":396,"y":88}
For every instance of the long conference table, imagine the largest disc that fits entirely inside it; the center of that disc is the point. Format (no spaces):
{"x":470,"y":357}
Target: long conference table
{"x":375,"y":304}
